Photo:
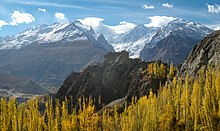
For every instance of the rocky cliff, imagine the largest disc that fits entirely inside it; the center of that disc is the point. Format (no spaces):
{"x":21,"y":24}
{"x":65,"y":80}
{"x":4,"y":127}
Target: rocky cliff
{"x":116,"y":78}
{"x":206,"y":53}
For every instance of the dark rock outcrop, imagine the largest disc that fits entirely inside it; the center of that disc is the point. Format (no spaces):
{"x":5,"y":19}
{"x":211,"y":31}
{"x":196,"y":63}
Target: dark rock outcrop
{"x":117,"y":78}
{"x":207,"y":53}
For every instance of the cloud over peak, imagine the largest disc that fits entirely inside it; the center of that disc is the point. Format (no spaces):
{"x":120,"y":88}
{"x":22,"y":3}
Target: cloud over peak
{"x":91,"y":21}
{"x":97,"y":24}
{"x":60,"y":17}
{"x":21,"y":17}
{"x":213,"y":8}
{"x":123,"y":27}
{"x":214,"y":26}
{"x":158,"y":21}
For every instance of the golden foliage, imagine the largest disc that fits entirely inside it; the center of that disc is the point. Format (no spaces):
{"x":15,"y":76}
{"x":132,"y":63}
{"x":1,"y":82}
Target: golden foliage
{"x":183,"y":104}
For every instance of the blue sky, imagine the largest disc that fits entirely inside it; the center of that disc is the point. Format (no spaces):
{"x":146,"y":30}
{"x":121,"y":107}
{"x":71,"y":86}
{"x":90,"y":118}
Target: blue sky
{"x":17,"y":15}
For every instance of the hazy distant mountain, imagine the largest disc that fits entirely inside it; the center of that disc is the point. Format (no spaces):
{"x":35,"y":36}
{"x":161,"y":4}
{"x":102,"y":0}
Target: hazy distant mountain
{"x":13,"y":84}
{"x":48,"y":53}
{"x":174,"y":42}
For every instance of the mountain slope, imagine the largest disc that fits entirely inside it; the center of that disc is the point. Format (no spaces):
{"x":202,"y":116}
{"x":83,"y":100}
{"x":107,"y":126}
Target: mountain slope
{"x":172,"y":49}
{"x":204,"y":54}
{"x":173,"y":42}
{"x":42,"y":34}
{"x":191,"y":28}
{"x":47,"y":54}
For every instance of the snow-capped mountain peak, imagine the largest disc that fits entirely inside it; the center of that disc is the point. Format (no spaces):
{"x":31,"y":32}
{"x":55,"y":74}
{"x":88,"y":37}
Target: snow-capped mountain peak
{"x":134,"y":40}
{"x":173,"y":42}
{"x":41,"y":34}
{"x":193,"y":29}
{"x":188,"y":25}
{"x":147,"y":37}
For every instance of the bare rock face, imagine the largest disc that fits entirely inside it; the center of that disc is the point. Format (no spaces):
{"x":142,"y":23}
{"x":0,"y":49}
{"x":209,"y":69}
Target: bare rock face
{"x":117,"y":77}
{"x":207,"y":53}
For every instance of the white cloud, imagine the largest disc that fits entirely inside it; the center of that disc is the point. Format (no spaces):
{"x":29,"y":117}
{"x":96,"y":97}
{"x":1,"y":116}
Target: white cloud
{"x":60,"y":17}
{"x":158,"y":21}
{"x":213,"y":8}
{"x":2,"y":23}
{"x":147,"y":7}
{"x":43,"y":10}
{"x":21,"y":17}
{"x":214,"y":27}
{"x":91,"y":21}
{"x":123,"y":27}
{"x":167,"y":5}
{"x":98,"y":25}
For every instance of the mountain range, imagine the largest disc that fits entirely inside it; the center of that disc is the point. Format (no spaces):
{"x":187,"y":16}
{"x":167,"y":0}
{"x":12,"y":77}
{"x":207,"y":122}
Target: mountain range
{"x":119,"y":78}
{"x":170,"y":43}
{"x":47,"y":54}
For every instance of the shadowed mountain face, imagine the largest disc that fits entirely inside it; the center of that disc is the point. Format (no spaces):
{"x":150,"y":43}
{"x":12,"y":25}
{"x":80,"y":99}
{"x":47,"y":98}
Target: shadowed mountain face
{"x":207,"y":53}
{"x":172,"y":49}
{"x":48,"y":54}
{"x":117,"y":77}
